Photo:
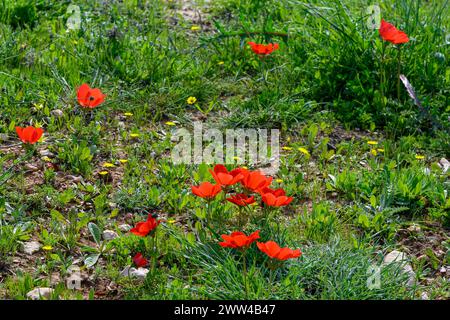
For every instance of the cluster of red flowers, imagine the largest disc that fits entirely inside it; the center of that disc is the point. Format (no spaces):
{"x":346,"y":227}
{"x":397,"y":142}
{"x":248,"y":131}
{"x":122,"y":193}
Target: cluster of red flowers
{"x":87,"y":98}
{"x":143,"y":229}
{"x":238,"y":240}
{"x":251,"y":181}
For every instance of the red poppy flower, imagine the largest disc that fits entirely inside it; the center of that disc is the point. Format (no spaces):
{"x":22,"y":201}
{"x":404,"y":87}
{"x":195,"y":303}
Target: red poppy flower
{"x":139,"y":260}
{"x":224,"y":177}
{"x":29,"y":134}
{"x":144,"y":228}
{"x":239,"y":240}
{"x":390,"y":33}
{"x":241,"y":199}
{"x":273,"y":200}
{"x":206,"y":190}
{"x":255,"y":181}
{"x":89,"y":97}
{"x":273,"y":250}
{"x":263,"y":49}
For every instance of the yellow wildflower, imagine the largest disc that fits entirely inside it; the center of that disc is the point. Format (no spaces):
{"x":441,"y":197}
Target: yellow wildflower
{"x":191,"y":100}
{"x":304,"y":151}
{"x":372,"y":143}
{"x":108,"y":165}
{"x":420,"y":157}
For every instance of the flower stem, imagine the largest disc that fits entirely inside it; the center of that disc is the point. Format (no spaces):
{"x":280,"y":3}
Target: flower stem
{"x":398,"y":71}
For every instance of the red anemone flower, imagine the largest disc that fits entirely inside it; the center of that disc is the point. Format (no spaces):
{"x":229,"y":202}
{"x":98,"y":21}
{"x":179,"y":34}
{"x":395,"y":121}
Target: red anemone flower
{"x":144,"y":228}
{"x":273,"y":200}
{"x":29,"y":134}
{"x":239,"y":240}
{"x":255,"y":181}
{"x":89,"y":97}
{"x":273,"y":250}
{"x":390,"y":33}
{"x":224,"y":177}
{"x":139,"y":260}
{"x":263,"y":49}
{"x":276,"y":192}
{"x":206,"y":190}
{"x":241,"y":199}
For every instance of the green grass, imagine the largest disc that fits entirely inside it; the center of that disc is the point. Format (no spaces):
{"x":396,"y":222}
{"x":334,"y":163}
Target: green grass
{"x":330,"y":88}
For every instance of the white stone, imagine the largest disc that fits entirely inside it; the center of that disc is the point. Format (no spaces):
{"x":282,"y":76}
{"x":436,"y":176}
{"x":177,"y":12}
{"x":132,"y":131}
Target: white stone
{"x":57,"y":113}
{"x":109,"y":235}
{"x":401,"y":258}
{"x":39,"y":293}
{"x":444,"y":164}
{"x":31,"y":247}
{"x":424,"y":296}
{"x":124,"y":227}
{"x":394,"y":256}
{"x":140,"y":273}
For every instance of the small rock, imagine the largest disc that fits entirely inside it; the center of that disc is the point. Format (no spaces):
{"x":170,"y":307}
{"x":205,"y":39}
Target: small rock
{"x":424,"y":296}
{"x":414,"y":228}
{"x":124,"y":227}
{"x":394,"y":256}
{"x":31,"y":247}
{"x":39,"y":293}
{"x":109,"y":235}
{"x":140,"y":273}
{"x":31,"y":167}
{"x":443,"y":270}
{"x":75,"y":179}
{"x":57,"y":113}
{"x":400,"y":257}
{"x":46,"y":153}
{"x":444,"y":164}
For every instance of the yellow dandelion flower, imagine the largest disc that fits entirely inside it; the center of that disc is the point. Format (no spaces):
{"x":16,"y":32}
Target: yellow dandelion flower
{"x":191,"y":100}
{"x":134,"y":135}
{"x":128,"y":114}
{"x":108,"y":165}
{"x":47,"y":248}
{"x":420,"y":157}
{"x":171,"y":123}
{"x":373,"y":152}
{"x":380,"y":150}
{"x":195,"y":28}
{"x":103,"y":173}
{"x":123,"y":160}
{"x":46,"y":159}
{"x":171,"y":221}
{"x":372,"y":143}
{"x":279,"y":180}
{"x":287,"y":148}
{"x":304,"y":151}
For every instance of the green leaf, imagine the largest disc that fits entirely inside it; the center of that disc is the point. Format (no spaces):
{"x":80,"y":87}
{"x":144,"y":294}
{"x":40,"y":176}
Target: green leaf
{"x":95,"y":232}
{"x":91,"y":260}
